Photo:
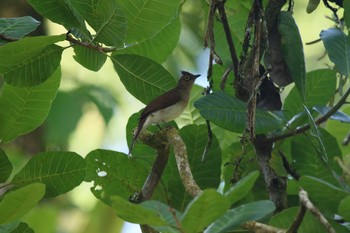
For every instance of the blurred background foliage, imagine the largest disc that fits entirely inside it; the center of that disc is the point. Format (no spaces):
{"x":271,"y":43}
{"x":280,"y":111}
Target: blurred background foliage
{"x":91,"y":111}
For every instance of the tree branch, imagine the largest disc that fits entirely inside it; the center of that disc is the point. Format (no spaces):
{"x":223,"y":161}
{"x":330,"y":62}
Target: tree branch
{"x":261,"y":228}
{"x":183,"y":165}
{"x":319,"y":121}
{"x":304,"y":199}
{"x":89,"y":45}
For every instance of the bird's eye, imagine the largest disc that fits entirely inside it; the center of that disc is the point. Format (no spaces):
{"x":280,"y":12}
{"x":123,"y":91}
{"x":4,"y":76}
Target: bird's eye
{"x":187,"y":77}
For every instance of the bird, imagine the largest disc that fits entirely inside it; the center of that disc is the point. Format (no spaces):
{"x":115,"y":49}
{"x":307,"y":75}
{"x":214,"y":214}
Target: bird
{"x":167,"y":106}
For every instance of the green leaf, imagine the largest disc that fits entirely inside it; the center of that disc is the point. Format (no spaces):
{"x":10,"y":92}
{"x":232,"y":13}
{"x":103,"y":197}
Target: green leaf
{"x":113,"y":174}
{"x":5,"y":167}
{"x":22,"y":109}
{"x":17,"y":203}
{"x":16,"y":28}
{"x":155,"y":47}
{"x":344,"y":208}
{"x":307,"y":162}
{"x":59,"y":171}
{"x":106,"y":18}
{"x":310,"y":223}
{"x":230,"y":113}
{"x":142,"y":77}
{"x":31,"y":60}
{"x":316,"y":139}
{"x":325,"y":195}
{"x":206,"y":174}
{"x":242,"y":187}
{"x":146,"y":18}
{"x":346,"y":5}
{"x":166,"y":213}
{"x":89,"y":58}
{"x":338,"y":115}
{"x":61,"y":12}
{"x":235,"y":217}
{"x":292,"y":50}
{"x":203,"y":210}
{"x":135,"y":213}
{"x":23,"y":228}
{"x":320,"y":87}
{"x":338,"y":48}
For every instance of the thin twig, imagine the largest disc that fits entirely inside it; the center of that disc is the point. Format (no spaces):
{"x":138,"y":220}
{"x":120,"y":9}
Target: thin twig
{"x":319,"y":121}
{"x":298,"y":220}
{"x":89,"y":45}
{"x":210,"y":139}
{"x":288,"y":167}
{"x":304,"y":199}
{"x":233,"y":54}
{"x":253,"y":226}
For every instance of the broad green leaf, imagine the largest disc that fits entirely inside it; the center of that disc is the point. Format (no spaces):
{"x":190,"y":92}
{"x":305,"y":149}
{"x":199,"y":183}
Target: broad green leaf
{"x":155,"y":46}
{"x":339,"y":131}
{"x":325,"y":195}
{"x":106,"y":18}
{"x":310,"y":223}
{"x":31,"y":60}
{"x":22,"y":109}
{"x":230,"y":113}
{"x":242,"y":187}
{"x":16,"y":28}
{"x":135,"y":213}
{"x":235,"y":217}
{"x":316,"y":139}
{"x":142,"y":77}
{"x":344,"y":208}
{"x":61,"y":12}
{"x":203,"y":210}
{"x":206,"y":173}
{"x":89,"y":58}
{"x":59,"y":171}
{"x":320,"y":87}
{"x":5,"y":167}
{"x":307,"y":162}
{"x":346,"y":5}
{"x":113,"y":174}
{"x":23,"y":228}
{"x":166,"y":213}
{"x":9,"y":227}
{"x":292,"y":50}
{"x":145,"y":18}
{"x":17,"y":203}
{"x":337,"y":116}
{"x":338,"y":49}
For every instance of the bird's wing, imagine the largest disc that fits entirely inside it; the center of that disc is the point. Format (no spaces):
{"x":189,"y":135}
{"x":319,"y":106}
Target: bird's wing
{"x":167,"y":99}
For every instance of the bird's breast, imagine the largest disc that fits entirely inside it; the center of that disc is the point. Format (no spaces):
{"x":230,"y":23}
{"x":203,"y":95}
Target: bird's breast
{"x":166,"y":114}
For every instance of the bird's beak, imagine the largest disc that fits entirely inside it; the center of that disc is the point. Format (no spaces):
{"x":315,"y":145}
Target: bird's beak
{"x":197,"y":75}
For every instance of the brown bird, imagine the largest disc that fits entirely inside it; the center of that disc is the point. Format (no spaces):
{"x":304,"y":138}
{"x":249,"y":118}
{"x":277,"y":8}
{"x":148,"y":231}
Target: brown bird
{"x":166,"y":107}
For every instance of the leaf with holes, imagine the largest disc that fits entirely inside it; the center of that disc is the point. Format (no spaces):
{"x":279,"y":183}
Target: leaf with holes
{"x":113,"y":174}
{"x":142,"y":77}
{"x":59,"y":171}
{"x":22,"y":109}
